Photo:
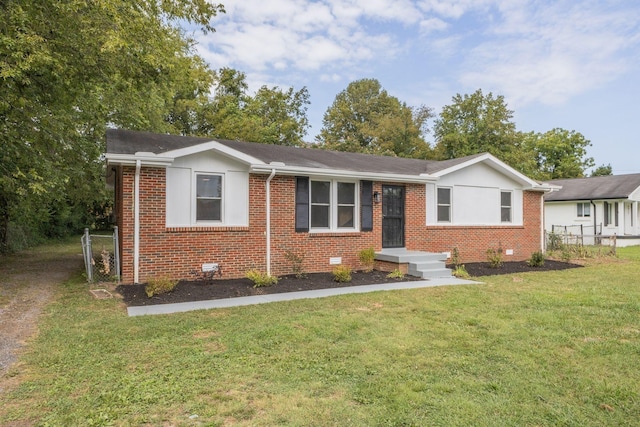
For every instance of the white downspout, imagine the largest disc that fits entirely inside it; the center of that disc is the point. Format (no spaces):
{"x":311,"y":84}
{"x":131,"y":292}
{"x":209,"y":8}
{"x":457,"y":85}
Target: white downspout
{"x":268,"y":189}
{"x":543,"y":230}
{"x":136,"y":223}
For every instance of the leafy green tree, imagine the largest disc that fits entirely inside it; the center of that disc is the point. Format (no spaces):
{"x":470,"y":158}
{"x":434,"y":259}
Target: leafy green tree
{"x":602,"y":170}
{"x":479,"y":123}
{"x":70,"y":68}
{"x":270,"y":116}
{"x":560,"y":153}
{"x":474,"y":124}
{"x":365,"y":118}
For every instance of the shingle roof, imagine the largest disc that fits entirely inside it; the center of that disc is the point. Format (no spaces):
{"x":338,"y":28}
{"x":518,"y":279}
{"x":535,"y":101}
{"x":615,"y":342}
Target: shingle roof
{"x":121,"y":141}
{"x":595,"y":188}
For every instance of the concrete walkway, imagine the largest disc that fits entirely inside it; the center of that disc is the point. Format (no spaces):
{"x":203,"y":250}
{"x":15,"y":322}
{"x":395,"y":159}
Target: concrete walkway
{"x":288,"y":296}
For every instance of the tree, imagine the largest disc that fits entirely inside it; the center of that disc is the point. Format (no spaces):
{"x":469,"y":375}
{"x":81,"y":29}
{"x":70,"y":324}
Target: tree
{"x":70,"y":68}
{"x":270,"y":116}
{"x":365,"y":118}
{"x":474,"y":124}
{"x":482,"y":123}
{"x":602,"y":170}
{"x":560,"y":153}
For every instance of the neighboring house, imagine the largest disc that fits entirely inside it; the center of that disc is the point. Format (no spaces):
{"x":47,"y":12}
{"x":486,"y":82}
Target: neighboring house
{"x":183,"y":203}
{"x":596,"y":206}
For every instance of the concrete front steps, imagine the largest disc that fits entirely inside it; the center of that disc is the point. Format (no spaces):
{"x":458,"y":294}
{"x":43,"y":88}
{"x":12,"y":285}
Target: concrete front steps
{"x":425,"y":265}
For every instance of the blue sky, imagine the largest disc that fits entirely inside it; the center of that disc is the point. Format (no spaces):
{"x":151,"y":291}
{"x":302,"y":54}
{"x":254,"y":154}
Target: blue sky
{"x":567,"y":64}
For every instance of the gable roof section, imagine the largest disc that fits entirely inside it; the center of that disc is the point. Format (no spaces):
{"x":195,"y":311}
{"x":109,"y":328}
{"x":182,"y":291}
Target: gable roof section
{"x":595,"y":188}
{"x":446,"y":167}
{"x":125,"y":147}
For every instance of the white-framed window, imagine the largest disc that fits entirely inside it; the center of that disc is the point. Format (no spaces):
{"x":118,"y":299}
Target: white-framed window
{"x":584,"y":209}
{"x":208,"y":197}
{"x":444,"y":204}
{"x":333,"y":205}
{"x":506,"y":205}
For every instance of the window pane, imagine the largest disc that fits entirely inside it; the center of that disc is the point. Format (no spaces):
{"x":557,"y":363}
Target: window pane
{"x":346,"y":193}
{"x":345,"y":216}
{"x":579,"y":209}
{"x":209,"y":186}
{"x":320,"y":191}
{"x":319,"y":216}
{"x":587,"y":209}
{"x":444,"y":196}
{"x":208,"y":210}
{"x":505,"y":198}
{"x":444,"y":214}
{"x":505,"y":214}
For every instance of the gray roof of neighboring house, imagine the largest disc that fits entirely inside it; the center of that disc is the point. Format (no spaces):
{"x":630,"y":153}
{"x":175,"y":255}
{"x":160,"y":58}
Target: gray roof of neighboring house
{"x":594,"y":188}
{"x":130,"y":142}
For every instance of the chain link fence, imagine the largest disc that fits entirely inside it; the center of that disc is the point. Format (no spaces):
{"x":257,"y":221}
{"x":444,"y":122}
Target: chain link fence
{"x":101,"y":256}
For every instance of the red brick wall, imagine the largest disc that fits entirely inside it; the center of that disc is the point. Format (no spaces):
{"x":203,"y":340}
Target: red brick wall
{"x":175,"y":252}
{"x":473,"y":242}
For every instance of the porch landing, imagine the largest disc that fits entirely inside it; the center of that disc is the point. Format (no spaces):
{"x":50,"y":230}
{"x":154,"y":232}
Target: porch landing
{"x":416,"y":263}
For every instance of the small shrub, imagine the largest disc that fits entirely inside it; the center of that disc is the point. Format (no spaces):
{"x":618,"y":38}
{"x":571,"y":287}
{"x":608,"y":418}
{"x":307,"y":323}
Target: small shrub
{"x":455,"y":258}
{"x":494,"y":256}
{"x":260,"y":279}
{"x":554,"y":241}
{"x":460,"y":272}
{"x":395,"y":274}
{"x":159,"y":285}
{"x":367,"y":257}
{"x":342,"y":274}
{"x":536,"y":260}
{"x":297,"y":262}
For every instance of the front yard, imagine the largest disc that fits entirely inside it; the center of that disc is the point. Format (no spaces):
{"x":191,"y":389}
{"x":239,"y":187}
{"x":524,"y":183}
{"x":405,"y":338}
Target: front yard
{"x":538,"y":349}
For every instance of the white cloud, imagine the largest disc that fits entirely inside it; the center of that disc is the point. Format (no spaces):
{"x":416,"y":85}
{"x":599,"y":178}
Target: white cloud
{"x":432,"y":25}
{"x":528,"y":50}
{"x":282,"y":35}
{"x":549,"y":54}
{"x":453,"y":9}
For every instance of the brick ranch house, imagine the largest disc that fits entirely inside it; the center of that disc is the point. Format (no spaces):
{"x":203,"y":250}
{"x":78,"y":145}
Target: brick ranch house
{"x":185,"y":203}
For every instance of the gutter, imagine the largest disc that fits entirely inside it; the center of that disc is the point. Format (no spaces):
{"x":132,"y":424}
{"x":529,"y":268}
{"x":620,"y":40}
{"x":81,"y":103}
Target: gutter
{"x":543,"y":230}
{"x":268,"y":228}
{"x":340,"y":173}
{"x":136,"y":223}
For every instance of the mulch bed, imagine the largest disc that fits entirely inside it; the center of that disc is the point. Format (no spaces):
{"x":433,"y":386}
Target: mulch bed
{"x":479,"y":269}
{"x":185,"y":291}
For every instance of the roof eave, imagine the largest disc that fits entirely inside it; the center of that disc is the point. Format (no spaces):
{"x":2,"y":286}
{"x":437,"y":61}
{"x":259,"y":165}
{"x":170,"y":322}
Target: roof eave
{"x":341,"y":173}
{"x":146,"y":159}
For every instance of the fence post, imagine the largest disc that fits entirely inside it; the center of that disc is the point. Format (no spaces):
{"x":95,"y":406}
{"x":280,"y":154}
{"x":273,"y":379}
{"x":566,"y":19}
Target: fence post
{"x":88,"y":254}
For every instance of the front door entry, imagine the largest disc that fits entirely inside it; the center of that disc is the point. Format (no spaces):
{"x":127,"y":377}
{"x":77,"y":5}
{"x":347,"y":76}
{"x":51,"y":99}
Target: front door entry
{"x":392,"y":216}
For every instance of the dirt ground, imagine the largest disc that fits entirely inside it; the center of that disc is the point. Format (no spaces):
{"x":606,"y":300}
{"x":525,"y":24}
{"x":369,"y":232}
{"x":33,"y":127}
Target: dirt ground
{"x":134,"y":295}
{"x":28,"y":281}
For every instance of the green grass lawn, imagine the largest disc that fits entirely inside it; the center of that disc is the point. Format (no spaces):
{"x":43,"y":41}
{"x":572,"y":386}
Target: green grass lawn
{"x":535,"y":349}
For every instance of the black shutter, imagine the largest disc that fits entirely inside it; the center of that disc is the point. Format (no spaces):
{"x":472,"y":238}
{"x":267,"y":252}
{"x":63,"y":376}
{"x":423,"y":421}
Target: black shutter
{"x":606,"y":213}
{"x":617,"y":212}
{"x":302,"y":204}
{"x":366,"y":205}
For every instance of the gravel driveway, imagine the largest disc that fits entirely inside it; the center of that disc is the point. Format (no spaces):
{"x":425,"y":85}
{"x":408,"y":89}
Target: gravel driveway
{"x":28,"y":281}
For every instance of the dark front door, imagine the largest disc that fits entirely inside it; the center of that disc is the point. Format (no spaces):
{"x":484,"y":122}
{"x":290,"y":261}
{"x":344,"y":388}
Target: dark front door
{"x":392,"y":216}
